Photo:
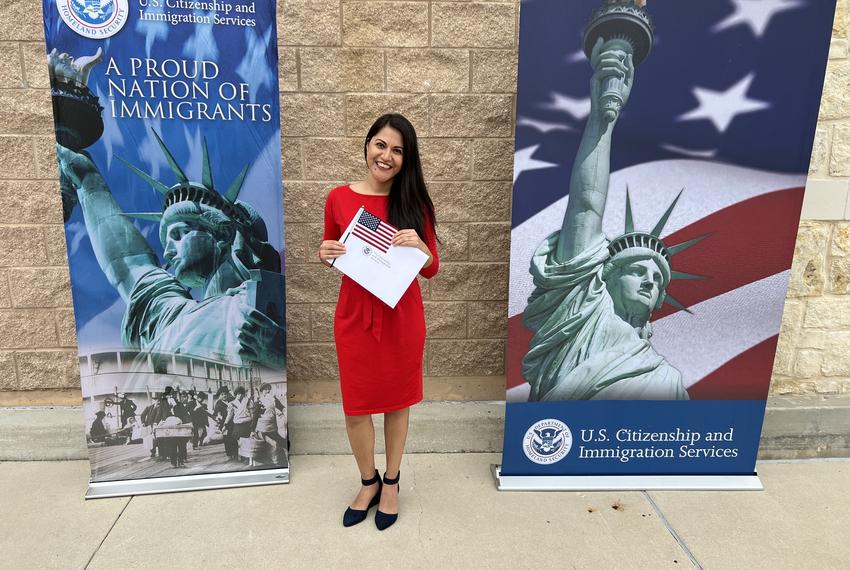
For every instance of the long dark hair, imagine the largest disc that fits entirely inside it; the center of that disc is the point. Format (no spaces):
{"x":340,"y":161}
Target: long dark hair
{"x":410,"y":206}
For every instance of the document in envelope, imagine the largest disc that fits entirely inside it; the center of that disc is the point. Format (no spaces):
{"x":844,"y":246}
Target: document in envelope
{"x":384,"y":270}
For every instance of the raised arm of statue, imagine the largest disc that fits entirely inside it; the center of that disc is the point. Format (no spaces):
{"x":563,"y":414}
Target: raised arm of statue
{"x":589,"y":180}
{"x":121,"y":251}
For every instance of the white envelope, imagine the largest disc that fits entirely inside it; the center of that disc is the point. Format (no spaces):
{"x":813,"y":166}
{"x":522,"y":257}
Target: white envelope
{"x":386,"y":275}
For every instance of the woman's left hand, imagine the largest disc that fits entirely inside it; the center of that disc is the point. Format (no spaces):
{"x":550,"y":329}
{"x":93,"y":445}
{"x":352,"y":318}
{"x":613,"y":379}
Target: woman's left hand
{"x":408,"y":238}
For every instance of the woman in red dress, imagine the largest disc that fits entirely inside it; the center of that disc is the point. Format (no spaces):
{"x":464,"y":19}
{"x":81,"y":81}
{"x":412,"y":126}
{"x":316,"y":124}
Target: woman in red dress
{"x":380,"y":349}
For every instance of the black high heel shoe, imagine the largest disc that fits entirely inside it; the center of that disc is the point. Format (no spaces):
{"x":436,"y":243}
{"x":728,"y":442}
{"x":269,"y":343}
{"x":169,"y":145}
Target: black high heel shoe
{"x":382,"y":520}
{"x":354,"y":516}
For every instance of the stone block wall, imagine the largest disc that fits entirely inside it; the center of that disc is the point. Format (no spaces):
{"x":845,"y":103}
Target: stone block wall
{"x":451,"y":68}
{"x":38,"y":362}
{"x":813,"y":356}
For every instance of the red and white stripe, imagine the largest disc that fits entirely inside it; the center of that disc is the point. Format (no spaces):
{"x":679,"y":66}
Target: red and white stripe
{"x":725,"y":347}
{"x":380,"y":238}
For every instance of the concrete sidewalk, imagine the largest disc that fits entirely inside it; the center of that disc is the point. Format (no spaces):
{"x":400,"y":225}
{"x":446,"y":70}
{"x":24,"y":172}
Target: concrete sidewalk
{"x":451,"y":517}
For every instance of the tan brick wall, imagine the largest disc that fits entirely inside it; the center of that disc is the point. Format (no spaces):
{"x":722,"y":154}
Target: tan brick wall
{"x":814,"y":347}
{"x":37,"y":340}
{"x":450,"y":67}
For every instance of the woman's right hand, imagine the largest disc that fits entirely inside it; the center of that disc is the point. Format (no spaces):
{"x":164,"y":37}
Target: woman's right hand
{"x":330,"y":250}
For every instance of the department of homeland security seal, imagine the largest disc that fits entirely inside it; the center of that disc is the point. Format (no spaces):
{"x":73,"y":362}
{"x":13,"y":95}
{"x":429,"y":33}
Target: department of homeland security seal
{"x":96,"y":19}
{"x":547,"y":441}
{"x":367,"y":250}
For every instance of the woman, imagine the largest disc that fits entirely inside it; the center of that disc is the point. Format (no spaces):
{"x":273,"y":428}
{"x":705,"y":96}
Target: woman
{"x":220,"y":408}
{"x":239,"y":416}
{"x":200,"y":420}
{"x":265,"y":425}
{"x":98,"y":432}
{"x":132,"y":431}
{"x":380,"y":349}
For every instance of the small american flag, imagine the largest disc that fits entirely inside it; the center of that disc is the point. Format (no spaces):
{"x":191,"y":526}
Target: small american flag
{"x":374,"y":231}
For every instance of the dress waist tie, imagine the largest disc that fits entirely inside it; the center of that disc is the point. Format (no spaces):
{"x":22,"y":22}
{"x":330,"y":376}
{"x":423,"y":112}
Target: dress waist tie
{"x":372,"y":316}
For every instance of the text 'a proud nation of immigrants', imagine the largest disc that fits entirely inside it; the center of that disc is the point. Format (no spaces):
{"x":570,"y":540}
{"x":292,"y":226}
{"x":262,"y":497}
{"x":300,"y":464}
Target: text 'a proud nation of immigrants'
{"x":373,"y":262}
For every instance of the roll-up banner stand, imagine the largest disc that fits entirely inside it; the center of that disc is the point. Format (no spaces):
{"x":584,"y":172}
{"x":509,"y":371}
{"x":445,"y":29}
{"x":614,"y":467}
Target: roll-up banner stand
{"x":168,"y":140}
{"x":661,"y":154}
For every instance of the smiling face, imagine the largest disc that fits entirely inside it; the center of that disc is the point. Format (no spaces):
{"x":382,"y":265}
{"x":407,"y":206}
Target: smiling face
{"x":385,"y":154}
{"x":191,"y":253}
{"x":635,"y":289}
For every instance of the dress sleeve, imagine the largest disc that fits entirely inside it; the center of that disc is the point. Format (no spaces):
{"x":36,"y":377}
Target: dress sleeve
{"x":431,"y":242}
{"x":332,"y":230}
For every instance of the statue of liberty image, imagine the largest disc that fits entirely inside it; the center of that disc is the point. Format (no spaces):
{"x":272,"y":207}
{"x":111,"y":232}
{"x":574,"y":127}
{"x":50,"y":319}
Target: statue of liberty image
{"x":212,"y":242}
{"x":593,"y":298}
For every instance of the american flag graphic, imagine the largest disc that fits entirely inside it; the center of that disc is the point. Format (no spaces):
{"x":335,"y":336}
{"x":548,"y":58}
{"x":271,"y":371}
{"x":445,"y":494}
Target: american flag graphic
{"x":374,"y":231}
{"x":725,"y":107}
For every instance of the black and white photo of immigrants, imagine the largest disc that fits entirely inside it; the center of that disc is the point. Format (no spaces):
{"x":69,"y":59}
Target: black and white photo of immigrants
{"x":164,"y":415}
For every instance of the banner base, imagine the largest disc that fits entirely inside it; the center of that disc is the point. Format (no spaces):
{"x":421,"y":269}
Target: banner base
{"x":202,"y":482}
{"x":625,"y":482}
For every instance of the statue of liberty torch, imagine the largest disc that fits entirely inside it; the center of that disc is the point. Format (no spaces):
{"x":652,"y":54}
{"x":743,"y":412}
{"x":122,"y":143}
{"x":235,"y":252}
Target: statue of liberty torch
{"x":623,"y":26}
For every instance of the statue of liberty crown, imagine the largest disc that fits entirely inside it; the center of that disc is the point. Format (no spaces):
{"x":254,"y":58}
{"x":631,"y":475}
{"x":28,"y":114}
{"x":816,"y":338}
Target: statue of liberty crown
{"x":204,"y":192}
{"x":634,"y":239}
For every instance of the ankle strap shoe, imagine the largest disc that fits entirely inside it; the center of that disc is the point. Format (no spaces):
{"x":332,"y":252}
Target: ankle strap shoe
{"x":351,"y":516}
{"x":382,"y":520}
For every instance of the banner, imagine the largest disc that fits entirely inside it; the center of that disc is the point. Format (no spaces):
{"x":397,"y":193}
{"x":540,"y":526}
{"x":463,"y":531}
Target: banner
{"x":661,"y":156}
{"x":168,"y":132}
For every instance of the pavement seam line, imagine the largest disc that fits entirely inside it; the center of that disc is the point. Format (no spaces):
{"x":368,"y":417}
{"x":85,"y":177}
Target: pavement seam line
{"x":672,"y":531}
{"x":105,"y":536}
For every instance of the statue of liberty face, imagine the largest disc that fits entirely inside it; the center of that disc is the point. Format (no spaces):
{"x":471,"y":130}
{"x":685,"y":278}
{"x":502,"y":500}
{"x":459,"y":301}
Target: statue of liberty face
{"x":192,"y":253}
{"x":635,"y":289}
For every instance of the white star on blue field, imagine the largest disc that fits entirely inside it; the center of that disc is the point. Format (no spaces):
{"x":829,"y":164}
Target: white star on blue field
{"x":727,"y":80}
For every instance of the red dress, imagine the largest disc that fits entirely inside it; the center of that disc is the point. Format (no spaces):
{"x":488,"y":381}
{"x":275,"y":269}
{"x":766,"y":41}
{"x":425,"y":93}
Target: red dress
{"x":379,"y":349}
